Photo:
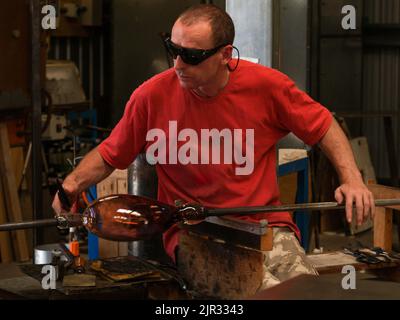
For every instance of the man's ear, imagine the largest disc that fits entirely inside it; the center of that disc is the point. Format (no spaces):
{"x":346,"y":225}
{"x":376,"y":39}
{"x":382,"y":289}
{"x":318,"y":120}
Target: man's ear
{"x":227,"y":54}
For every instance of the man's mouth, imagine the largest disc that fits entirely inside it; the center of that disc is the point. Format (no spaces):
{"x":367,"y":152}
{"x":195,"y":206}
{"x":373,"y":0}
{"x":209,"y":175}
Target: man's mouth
{"x":183,"y":76}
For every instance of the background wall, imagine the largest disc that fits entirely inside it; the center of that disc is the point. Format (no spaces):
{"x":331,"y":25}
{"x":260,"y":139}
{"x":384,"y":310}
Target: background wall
{"x":381,"y":72}
{"x":138,"y":52}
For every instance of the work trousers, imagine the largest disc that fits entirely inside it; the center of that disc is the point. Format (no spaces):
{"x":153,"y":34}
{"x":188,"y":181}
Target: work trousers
{"x":286,"y":260}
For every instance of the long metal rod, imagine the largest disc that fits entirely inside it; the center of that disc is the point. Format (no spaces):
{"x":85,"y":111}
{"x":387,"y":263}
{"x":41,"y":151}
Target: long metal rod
{"x":75,"y":219}
{"x":293,"y":207}
{"x":28,"y":224}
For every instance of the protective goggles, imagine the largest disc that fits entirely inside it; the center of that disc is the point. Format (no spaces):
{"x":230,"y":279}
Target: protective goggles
{"x":189,"y":56}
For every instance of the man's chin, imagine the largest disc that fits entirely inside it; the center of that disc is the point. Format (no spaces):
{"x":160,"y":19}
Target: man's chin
{"x":186,"y":84}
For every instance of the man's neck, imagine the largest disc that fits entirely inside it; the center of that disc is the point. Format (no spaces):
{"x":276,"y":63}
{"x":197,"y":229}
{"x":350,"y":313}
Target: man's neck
{"x":213,"y":89}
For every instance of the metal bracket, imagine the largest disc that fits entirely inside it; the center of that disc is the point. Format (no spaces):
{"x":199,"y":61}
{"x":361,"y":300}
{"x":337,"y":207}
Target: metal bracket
{"x":251,"y":227}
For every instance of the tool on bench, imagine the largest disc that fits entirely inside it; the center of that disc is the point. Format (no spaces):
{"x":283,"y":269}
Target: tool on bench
{"x":124,"y":217}
{"x":362,"y":257}
{"x":61,"y":257}
{"x":73,"y":261}
{"x":392,"y":256}
{"x":371,"y":255}
{"x":73,"y":246}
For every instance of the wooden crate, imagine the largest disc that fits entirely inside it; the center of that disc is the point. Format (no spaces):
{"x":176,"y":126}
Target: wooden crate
{"x":116,"y":183}
{"x":383,"y":220}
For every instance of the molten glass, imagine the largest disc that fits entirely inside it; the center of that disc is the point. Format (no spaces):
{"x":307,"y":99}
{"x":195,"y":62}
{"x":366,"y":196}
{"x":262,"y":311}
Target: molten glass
{"x":130,"y":218}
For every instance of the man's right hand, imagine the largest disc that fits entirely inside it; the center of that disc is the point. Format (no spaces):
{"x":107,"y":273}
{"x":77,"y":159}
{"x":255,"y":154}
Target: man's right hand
{"x":91,"y":169}
{"x":72,"y":195}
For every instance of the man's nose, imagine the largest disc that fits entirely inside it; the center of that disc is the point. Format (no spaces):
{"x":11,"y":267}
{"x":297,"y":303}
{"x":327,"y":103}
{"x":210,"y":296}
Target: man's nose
{"x":179,"y":64}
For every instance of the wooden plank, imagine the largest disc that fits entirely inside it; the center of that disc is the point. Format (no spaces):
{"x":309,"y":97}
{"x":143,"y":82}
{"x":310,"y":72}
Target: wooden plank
{"x":290,"y":155}
{"x":384,"y":192}
{"x":122,"y":186}
{"x":383,"y":225}
{"x":11,"y":193}
{"x":325,"y":261}
{"x":363,"y":159}
{"x":5,"y":240}
{"x":288,"y":188}
{"x":14,"y":127}
{"x":266,"y":240}
{"x":102,"y":189}
{"x":122,"y":248}
{"x":111,"y":249}
{"x":108,"y":249}
{"x":18,"y":159}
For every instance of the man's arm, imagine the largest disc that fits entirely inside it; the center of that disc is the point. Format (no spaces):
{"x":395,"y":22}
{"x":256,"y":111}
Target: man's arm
{"x":91,"y":170}
{"x":336,"y":147}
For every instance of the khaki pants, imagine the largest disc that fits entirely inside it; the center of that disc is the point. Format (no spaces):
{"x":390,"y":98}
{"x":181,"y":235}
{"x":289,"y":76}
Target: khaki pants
{"x":286,"y":260}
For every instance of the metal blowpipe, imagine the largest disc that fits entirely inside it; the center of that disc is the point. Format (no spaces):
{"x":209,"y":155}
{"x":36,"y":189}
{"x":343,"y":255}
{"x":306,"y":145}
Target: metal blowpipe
{"x":130,"y":218}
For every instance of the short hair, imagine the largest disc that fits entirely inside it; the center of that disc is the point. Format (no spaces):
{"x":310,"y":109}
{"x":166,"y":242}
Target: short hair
{"x":222,"y":27}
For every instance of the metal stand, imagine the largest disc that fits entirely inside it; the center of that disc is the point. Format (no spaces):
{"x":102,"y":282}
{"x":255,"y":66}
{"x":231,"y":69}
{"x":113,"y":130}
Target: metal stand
{"x":35,"y":14}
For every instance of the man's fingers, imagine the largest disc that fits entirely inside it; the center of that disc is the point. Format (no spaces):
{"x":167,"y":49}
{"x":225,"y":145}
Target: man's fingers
{"x":339,"y":195}
{"x":349,"y":208}
{"x":359,"y":209}
{"x":57,"y":206}
{"x":340,"y":198}
{"x":360,"y":198}
{"x":367,"y":206}
{"x":372,"y":200}
{"x":74,"y":207}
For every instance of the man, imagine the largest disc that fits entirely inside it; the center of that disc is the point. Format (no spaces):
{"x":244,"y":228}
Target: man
{"x":212,"y":128}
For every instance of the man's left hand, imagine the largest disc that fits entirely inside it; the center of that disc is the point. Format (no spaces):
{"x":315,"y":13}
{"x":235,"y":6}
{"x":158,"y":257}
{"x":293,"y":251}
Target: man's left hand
{"x":356,"y":193}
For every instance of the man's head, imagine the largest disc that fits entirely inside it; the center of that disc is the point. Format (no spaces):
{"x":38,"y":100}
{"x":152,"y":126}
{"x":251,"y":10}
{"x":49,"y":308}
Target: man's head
{"x":203,"y":27}
{"x":222,"y":28}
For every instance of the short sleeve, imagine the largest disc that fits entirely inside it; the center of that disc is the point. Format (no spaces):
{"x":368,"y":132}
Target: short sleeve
{"x":297,"y":112}
{"x":128,"y":138}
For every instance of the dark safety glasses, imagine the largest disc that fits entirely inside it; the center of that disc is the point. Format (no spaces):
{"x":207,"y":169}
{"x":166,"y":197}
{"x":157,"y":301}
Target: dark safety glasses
{"x":189,"y":56}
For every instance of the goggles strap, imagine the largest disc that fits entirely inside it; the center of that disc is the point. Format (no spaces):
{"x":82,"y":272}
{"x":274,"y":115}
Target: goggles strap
{"x":237,"y":63}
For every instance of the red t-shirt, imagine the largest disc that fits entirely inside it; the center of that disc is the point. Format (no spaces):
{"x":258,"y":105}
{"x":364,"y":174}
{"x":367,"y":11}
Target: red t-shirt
{"x":256,"y":97}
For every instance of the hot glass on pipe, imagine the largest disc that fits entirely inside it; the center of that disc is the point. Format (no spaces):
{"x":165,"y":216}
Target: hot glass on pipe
{"x":131,"y":218}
